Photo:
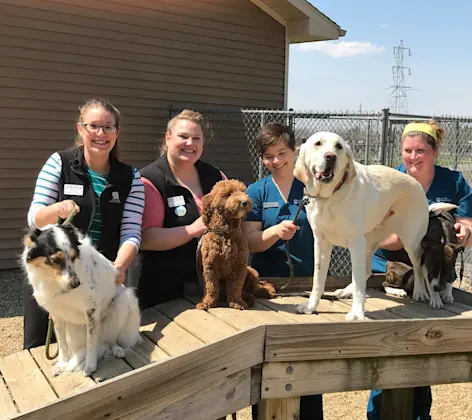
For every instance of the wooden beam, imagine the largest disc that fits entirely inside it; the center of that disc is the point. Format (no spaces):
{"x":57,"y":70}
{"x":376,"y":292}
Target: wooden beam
{"x":302,"y":284}
{"x":279,"y":409}
{"x":301,"y":342}
{"x":283,"y":380}
{"x":157,"y":387}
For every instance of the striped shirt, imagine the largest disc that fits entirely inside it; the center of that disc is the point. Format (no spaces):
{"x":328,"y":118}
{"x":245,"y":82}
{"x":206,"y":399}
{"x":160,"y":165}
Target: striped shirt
{"x":46,"y":193}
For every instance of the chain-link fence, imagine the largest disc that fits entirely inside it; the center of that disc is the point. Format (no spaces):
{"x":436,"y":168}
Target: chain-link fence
{"x":374,"y":137}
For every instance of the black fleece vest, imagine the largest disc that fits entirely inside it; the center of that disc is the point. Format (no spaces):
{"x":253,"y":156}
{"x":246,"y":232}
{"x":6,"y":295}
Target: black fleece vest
{"x":163,"y":273}
{"x":112,"y":199}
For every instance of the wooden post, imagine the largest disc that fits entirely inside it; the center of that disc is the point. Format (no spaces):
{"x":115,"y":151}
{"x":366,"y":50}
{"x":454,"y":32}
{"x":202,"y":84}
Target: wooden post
{"x":279,"y":409}
{"x":397,"y":404}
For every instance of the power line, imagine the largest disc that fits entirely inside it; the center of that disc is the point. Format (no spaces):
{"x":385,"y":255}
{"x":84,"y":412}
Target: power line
{"x":398,"y":97}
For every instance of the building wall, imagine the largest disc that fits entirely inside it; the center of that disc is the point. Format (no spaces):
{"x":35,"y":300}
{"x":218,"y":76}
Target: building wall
{"x":144,"y":55}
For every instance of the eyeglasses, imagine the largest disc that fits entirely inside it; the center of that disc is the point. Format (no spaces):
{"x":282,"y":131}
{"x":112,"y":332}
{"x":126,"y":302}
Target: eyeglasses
{"x":95,"y":128}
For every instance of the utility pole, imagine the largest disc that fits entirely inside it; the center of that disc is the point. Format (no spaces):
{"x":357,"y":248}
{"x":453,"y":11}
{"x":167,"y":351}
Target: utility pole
{"x":398,"y":98}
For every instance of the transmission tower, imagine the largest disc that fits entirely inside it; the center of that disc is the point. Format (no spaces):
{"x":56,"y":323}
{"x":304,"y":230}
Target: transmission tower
{"x":398,"y":98}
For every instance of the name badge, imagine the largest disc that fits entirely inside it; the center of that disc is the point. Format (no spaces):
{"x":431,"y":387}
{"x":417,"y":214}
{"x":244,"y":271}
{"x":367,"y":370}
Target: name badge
{"x":73,"y":189}
{"x":271,"y":205}
{"x":176,"y":201}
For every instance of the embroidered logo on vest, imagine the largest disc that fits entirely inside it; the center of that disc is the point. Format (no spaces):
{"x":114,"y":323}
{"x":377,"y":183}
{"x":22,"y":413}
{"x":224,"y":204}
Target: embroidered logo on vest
{"x":115,"y":197}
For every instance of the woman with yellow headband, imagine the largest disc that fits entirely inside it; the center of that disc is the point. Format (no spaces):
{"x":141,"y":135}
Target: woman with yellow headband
{"x":420,"y":148}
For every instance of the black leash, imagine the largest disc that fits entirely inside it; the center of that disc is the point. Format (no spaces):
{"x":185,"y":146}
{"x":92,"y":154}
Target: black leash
{"x":303,"y":201}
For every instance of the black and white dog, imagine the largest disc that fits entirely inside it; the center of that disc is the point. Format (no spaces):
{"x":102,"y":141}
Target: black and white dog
{"x":75,"y":283}
{"x":440,"y":251}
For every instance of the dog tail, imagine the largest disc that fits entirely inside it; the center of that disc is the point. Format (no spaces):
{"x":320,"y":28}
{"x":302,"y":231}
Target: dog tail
{"x":259,"y":288}
{"x":442,"y":206}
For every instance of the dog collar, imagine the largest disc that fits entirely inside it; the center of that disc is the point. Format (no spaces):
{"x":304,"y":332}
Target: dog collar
{"x":343,"y":180}
{"x":217,"y":231}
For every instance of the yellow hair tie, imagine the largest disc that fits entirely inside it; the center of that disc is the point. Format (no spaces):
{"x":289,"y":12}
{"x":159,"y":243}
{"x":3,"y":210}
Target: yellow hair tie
{"x":422,"y":128}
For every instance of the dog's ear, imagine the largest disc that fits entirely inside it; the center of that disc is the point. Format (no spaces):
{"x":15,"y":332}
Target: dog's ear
{"x":456,"y":248}
{"x":300,"y":172}
{"x":351,"y":172}
{"x":30,"y":239}
{"x":207,"y":208}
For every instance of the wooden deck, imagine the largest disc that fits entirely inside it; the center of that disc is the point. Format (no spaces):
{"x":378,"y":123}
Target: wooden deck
{"x":196,"y":364}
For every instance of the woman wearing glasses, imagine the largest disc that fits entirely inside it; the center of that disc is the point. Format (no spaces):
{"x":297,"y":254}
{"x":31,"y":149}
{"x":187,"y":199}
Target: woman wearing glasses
{"x":107,"y":193}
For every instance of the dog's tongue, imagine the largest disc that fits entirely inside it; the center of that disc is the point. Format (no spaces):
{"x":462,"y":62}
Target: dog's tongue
{"x":318,"y":175}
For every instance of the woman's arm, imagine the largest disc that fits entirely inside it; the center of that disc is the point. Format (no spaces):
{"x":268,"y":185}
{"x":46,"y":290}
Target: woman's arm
{"x":45,"y":209}
{"x":261,"y":240}
{"x":130,"y":234}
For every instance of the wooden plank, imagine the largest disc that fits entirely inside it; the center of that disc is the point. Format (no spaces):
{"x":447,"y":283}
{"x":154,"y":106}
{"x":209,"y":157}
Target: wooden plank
{"x":201,"y":324}
{"x":158,"y":386}
{"x":7,"y":406}
{"x":372,"y":311}
{"x":462,"y":296}
{"x":367,"y":339}
{"x":218,"y":398}
{"x":64,"y":384}
{"x":279,"y":409}
{"x":396,"y":404}
{"x":169,"y":336}
{"x":256,"y":315}
{"x":282,"y":380}
{"x":332,"y":282}
{"x":26,"y":382}
{"x":328,"y":310}
{"x":459,"y":309}
{"x":406,"y":307}
{"x":145,"y":353}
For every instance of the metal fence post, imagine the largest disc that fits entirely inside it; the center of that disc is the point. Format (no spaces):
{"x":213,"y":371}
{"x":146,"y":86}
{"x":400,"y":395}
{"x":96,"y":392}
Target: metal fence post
{"x":384,"y":138}
{"x":261,"y":165}
{"x":456,"y":154}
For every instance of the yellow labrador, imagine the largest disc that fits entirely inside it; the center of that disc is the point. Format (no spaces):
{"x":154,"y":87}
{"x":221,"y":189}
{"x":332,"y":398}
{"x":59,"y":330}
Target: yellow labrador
{"x":357,"y":207}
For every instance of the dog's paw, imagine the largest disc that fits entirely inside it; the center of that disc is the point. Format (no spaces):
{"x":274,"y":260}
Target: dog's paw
{"x":345,"y":293}
{"x":118,"y":351}
{"x":58,"y":368}
{"x":90,"y":367}
{"x":396,"y":292}
{"x":420,"y":296}
{"x":238,"y":304}
{"x":447,"y":297}
{"x":435,"y":301}
{"x":355,"y":315}
{"x":305,"y":308}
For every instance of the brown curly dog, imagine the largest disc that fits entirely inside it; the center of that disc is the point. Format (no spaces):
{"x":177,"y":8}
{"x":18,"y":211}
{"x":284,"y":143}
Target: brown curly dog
{"x":224,"y":249}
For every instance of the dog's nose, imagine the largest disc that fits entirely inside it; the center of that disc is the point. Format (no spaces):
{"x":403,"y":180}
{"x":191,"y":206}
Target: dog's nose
{"x":330,"y":157}
{"x":244,"y":203}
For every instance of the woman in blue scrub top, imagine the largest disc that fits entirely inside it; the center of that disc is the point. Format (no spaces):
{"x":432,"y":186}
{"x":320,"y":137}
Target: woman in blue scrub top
{"x":420,"y":147}
{"x":276,"y":199}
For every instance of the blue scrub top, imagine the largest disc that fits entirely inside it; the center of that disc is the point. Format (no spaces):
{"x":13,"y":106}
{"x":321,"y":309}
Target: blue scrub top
{"x":270,"y":208}
{"x":447,"y":187}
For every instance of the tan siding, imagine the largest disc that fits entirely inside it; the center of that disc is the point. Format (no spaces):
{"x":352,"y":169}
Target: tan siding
{"x":144,"y":55}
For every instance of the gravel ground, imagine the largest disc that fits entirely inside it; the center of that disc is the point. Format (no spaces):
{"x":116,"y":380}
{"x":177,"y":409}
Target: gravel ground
{"x":452,"y":402}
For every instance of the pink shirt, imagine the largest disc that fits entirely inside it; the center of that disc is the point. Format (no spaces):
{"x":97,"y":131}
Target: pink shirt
{"x":154,"y":209}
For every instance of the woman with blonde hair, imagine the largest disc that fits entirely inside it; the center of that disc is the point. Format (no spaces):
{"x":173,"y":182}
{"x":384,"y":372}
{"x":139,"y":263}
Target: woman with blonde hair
{"x":420,"y":148}
{"x":174,"y":186}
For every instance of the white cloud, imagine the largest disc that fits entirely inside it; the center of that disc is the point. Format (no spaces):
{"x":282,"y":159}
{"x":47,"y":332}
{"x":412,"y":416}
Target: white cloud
{"x":341,"y":49}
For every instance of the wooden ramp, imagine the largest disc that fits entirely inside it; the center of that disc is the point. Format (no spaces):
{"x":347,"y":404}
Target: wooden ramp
{"x":204,"y":365}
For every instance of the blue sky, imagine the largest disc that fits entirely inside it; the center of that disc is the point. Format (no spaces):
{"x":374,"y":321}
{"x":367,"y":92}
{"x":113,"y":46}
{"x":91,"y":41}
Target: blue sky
{"x":357,"y":69}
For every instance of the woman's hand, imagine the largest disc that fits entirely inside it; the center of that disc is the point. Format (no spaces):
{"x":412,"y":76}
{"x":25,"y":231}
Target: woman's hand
{"x":462,"y":232}
{"x":286,"y":230}
{"x":63,"y":208}
{"x":120,"y":273}
{"x":197,"y":228}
